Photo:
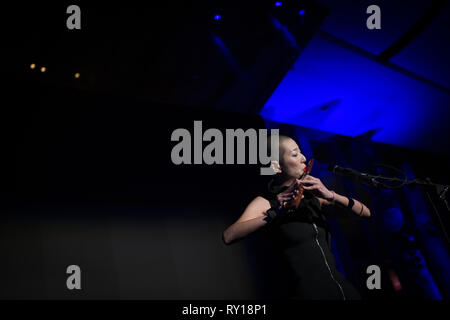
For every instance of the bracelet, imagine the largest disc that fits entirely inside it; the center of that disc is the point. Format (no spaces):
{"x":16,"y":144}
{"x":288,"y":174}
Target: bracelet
{"x":271,"y":214}
{"x":362,"y":209}
{"x":351,"y":203}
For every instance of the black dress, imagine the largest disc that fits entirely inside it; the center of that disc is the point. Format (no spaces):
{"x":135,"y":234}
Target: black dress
{"x":303,"y":237}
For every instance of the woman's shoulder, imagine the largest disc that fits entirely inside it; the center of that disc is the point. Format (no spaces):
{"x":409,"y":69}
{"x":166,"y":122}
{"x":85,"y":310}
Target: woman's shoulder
{"x":261,"y":201}
{"x":256,"y":208}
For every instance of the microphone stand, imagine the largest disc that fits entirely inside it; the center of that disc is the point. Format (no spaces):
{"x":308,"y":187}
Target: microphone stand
{"x":440,"y":189}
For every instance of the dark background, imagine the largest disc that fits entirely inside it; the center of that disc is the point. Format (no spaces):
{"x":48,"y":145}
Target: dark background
{"x":87,"y":177}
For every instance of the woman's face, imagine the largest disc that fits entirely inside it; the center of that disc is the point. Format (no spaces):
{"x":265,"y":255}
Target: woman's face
{"x":293,"y":161}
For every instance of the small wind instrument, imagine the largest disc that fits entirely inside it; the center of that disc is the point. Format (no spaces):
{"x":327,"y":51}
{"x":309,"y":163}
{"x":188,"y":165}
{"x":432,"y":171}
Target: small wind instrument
{"x":296,"y":201}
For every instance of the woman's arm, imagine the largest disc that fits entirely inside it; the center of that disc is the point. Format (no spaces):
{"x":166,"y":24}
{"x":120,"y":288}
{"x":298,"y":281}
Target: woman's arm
{"x":358,"y":207}
{"x":239,"y":230}
{"x":255,"y":215}
{"x":327,"y":197}
{"x":251,"y":220}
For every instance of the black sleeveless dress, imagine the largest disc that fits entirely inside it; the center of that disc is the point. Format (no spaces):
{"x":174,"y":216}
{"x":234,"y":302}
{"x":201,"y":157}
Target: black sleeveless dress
{"x":303,"y":237}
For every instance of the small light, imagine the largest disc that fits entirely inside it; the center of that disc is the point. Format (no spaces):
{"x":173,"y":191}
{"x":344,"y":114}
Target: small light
{"x":32,"y":66}
{"x":77,"y":75}
{"x":277,"y":4}
{"x":301,"y":12}
{"x":43,"y":69}
{"x":217,"y":17}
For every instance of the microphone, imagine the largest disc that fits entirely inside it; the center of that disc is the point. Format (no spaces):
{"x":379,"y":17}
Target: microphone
{"x":355,"y":175}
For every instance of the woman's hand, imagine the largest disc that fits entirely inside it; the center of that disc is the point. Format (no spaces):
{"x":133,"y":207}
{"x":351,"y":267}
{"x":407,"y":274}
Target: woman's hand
{"x":316,"y":187}
{"x":287,"y":195}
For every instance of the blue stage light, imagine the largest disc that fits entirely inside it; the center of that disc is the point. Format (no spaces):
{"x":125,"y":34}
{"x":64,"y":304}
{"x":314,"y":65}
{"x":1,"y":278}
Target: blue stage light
{"x":277,"y":4}
{"x":328,"y":75}
{"x":301,"y":12}
{"x":217,"y":17}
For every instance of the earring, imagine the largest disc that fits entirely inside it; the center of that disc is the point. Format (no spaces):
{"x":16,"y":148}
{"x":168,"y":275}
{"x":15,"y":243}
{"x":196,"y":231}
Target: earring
{"x":275,"y":166}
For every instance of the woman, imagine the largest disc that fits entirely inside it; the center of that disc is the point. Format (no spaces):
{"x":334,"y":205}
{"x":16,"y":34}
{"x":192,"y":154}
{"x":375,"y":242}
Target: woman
{"x":302,"y":233}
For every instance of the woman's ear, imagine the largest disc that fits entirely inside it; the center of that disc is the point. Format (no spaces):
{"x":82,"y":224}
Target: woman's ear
{"x":275,"y":166}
